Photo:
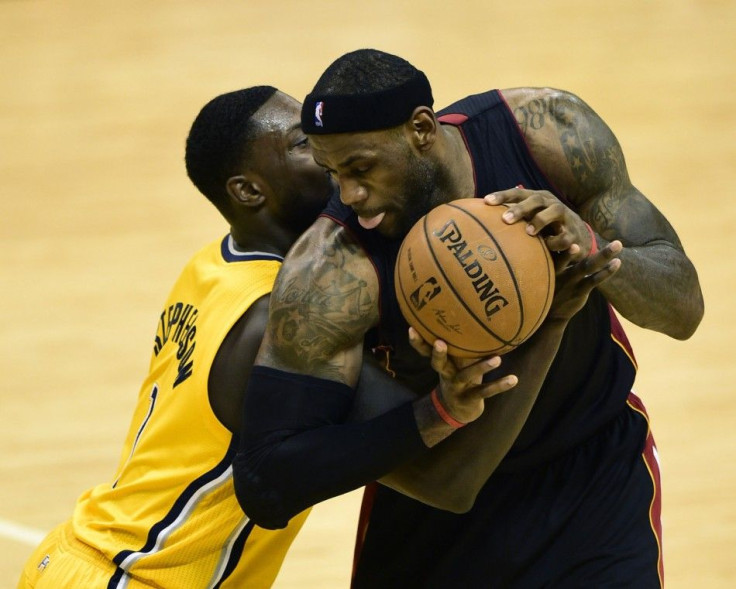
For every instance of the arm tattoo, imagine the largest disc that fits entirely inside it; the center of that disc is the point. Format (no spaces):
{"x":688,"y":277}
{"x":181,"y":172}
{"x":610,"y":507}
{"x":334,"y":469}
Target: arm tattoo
{"x":657,"y":287}
{"x":531,"y":115}
{"x":592,"y":153}
{"x":319,"y":309}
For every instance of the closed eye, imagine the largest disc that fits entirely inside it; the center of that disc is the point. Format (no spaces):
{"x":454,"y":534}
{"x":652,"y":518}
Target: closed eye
{"x":330,"y":171}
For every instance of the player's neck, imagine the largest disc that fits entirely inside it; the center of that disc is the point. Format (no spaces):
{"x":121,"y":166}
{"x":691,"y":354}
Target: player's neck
{"x":459,"y":163}
{"x":274,"y":241}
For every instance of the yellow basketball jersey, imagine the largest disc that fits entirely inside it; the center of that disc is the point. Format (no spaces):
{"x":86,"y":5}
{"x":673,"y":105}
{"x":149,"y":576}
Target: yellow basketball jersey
{"x":169,"y":516}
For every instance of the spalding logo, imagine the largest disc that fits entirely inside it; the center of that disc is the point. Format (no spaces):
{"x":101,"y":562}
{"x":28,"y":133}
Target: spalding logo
{"x":488,"y":294}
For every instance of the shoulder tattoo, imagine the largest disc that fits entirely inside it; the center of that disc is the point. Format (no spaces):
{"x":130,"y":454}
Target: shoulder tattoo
{"x":322,"y":305}
{"x":591,"y":151}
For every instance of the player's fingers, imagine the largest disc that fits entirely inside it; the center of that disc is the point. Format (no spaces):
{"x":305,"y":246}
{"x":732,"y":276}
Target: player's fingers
{"x":562,"y":261}
{"x":419,"y":344}
{"x":549,"y":214}
{"x":506,"y":196}
{"x":560,"y":242}
{"x":475,"y":371}
{"x":498,"y":386}
{"x":439,"y":361}
{"x":526,"y":209}
{"x":566,"y":251}
{"x":540,"y":208}
{"x":605,"y":273}
{"x":565,"y":260}
{"x":595,"y":269}
{"x":598,"y":261}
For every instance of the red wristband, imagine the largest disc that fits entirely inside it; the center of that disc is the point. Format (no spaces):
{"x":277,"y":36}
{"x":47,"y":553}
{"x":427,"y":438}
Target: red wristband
{"x":593,"y":242}
{"x":446,"y":417}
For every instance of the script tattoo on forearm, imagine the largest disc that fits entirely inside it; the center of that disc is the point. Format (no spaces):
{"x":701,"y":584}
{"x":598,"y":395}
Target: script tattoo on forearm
{"x":319,"y":310}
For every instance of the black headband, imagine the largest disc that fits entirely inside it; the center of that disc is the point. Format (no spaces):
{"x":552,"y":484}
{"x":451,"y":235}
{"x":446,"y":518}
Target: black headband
{"x":349,"y":113}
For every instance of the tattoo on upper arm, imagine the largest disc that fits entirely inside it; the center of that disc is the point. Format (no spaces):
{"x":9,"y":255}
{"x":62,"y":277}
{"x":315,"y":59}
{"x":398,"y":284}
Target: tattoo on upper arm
{"x":532,"y":114}
{"x":590,"y":167}
{"x":321,"y":309}
{"x":591,"y":151}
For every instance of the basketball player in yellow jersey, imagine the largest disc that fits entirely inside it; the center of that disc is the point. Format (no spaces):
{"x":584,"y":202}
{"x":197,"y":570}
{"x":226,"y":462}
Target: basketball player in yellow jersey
{"x":168,"y":516}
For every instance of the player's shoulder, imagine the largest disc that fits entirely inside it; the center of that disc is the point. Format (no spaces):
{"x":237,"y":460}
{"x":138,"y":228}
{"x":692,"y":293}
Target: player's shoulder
{"x":329,"y":246}
{"x":327,"y":273}
{"x":538,"y":98}
{"x":325,"y":298}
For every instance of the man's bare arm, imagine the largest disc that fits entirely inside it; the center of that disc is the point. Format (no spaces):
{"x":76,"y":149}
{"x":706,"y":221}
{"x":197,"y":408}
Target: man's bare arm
{"x":658,"y":286}
{"x":324,"y":300}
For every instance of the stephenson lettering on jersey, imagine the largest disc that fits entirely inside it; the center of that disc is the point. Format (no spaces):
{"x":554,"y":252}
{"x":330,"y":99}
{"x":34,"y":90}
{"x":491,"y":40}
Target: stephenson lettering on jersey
{"x":178,"y":325}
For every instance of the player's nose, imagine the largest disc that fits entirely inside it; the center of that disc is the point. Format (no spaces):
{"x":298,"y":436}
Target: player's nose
{"x":352,"y":192}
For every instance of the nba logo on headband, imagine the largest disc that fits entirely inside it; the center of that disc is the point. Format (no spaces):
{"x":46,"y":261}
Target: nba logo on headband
{"x":372,"y":111}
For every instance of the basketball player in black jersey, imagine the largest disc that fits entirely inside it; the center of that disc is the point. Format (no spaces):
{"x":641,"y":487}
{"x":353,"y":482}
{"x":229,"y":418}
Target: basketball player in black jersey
{"x":556,"y":482}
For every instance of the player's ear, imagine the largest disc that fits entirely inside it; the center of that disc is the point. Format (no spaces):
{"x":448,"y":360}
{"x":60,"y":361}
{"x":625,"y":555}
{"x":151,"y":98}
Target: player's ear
{"x":423,"y":127}
{"x":245,"y":191}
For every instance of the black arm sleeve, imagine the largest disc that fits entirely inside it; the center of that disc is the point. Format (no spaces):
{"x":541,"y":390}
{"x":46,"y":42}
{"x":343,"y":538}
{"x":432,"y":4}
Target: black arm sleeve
{"x":296,"y":450}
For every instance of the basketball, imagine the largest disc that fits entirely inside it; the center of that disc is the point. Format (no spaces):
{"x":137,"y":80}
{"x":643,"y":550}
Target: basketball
{"x":465,"y":276}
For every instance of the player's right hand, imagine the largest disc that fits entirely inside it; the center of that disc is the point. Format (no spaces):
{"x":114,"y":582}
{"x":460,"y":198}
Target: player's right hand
{"x":574,"y":283}
{"x":461,"y":389}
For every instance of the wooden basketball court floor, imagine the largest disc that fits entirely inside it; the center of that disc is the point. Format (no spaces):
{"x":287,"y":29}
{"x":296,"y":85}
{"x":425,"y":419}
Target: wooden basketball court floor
{"x":98,"y":217}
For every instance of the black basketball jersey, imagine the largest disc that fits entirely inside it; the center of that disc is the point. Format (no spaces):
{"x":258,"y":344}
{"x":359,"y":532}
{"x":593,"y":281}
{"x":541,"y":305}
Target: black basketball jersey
{"x":592,"y":374}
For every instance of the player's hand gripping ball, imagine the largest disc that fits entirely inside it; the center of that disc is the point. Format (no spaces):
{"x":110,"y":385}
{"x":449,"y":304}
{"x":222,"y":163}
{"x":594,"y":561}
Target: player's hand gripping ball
{"x":465,"y":276}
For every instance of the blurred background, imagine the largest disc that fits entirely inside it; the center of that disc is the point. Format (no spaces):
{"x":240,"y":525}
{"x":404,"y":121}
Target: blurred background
{"x":97,"y":215}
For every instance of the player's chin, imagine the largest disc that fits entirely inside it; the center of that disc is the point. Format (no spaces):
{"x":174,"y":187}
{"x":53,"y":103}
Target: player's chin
{"x":390,"y":228}
{"x":395,"y":225}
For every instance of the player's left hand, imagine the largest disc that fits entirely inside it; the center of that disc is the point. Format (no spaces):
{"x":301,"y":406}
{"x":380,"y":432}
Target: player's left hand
{"x":562,"y":229}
